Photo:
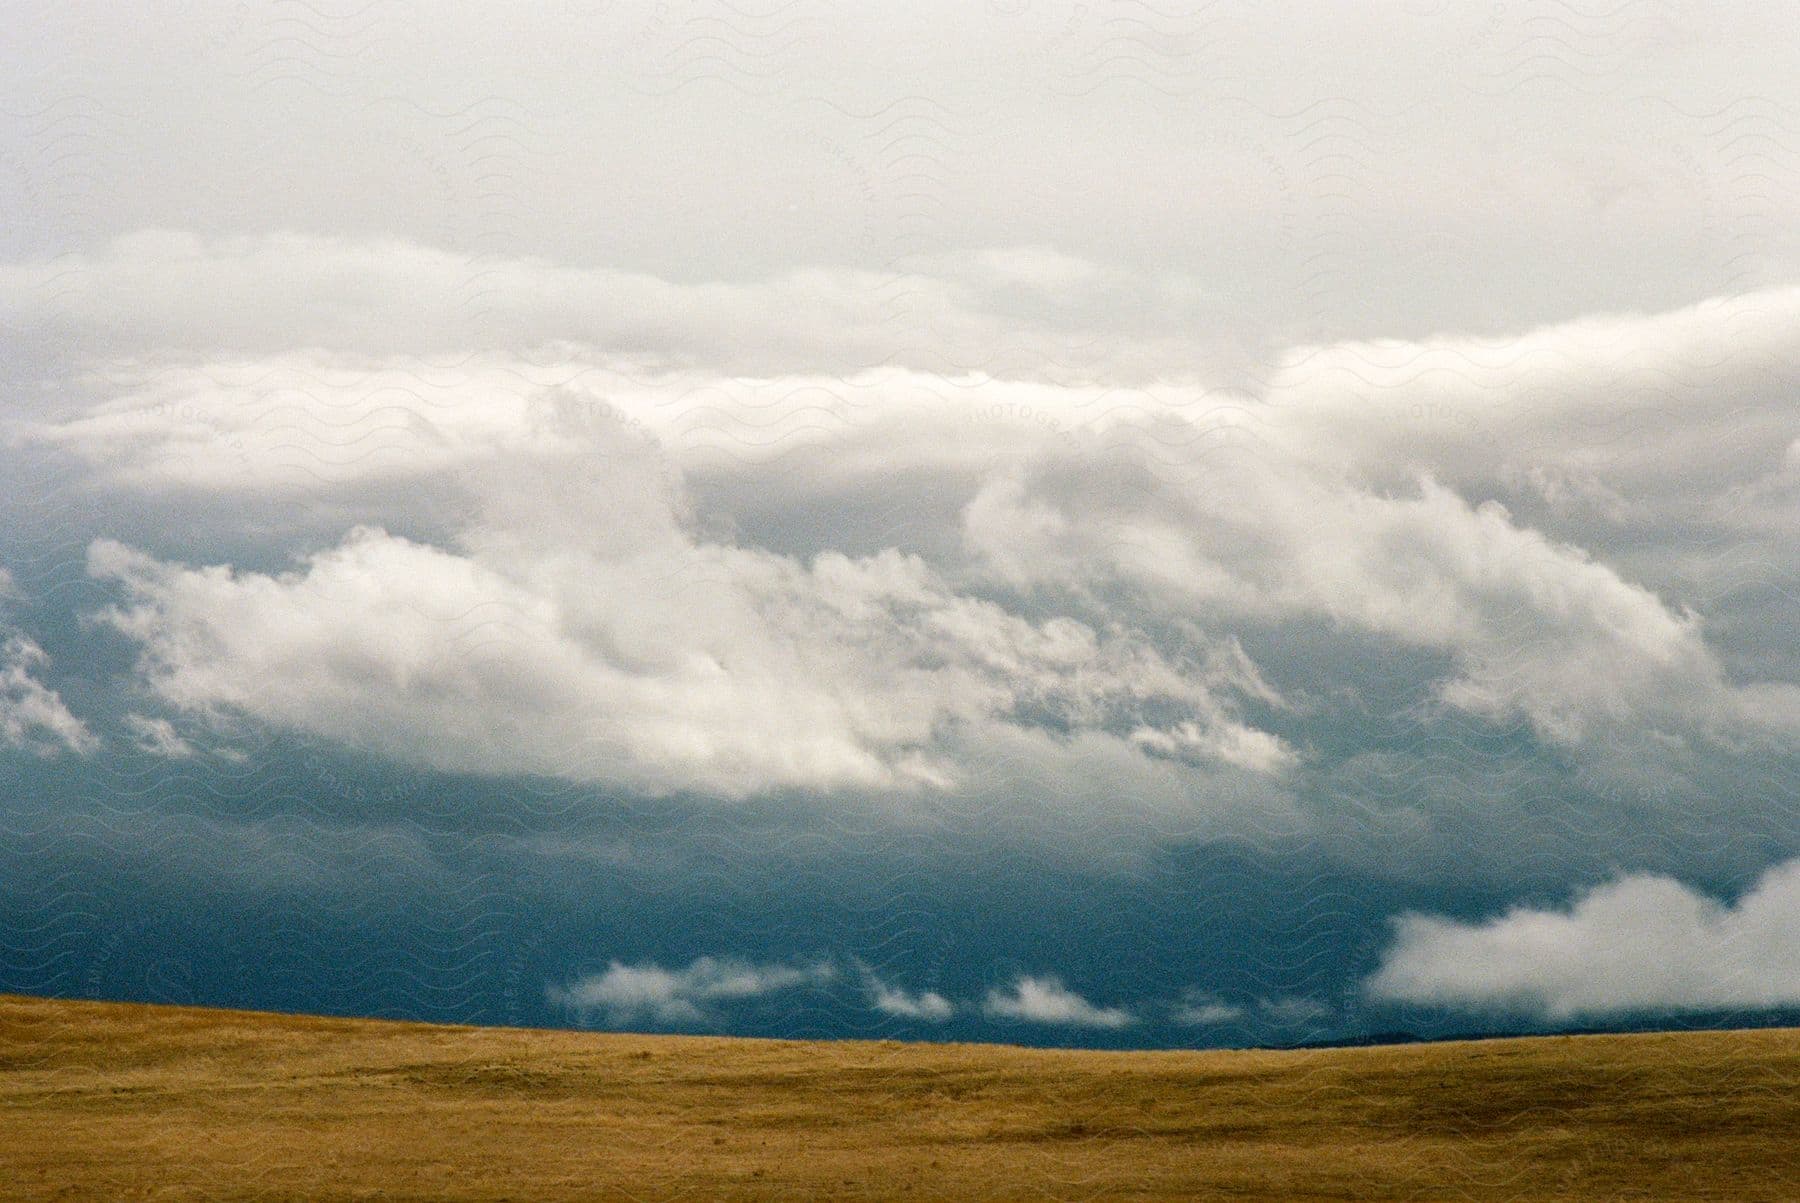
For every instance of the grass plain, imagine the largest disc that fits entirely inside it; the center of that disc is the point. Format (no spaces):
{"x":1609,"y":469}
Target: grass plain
{"x":126,"y":1102}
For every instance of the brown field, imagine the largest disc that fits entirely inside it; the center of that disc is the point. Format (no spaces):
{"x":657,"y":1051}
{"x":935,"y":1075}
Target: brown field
{"x":114,"y":1101}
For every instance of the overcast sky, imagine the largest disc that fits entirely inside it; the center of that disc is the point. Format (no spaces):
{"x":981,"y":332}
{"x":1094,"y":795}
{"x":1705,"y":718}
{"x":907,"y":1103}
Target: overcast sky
{"x":1093,"y":523}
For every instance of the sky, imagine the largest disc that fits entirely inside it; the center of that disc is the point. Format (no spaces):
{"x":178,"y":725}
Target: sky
{"x":1094,"y":524}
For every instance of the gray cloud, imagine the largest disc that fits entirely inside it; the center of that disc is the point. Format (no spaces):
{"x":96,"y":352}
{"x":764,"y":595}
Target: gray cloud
{"x":1116,"y":435}
{"x":1087,"y":559}
{"x":1202,"y":1008}
{"x":1297,"y":177}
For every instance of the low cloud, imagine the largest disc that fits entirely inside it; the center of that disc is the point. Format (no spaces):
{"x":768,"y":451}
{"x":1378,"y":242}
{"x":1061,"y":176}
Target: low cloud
{"x":1046,"y":1000}
{"x":1641,"y":944}
{"x":891,"y":1000}
{"x":159,"y":737}
{"x":697,"y":996}
{"x":1293,"y":1010}
{"x":581,"y":628}
{"x":1202,"y":1008}
{"x":32,"y":715}
{"x":729,"y":552}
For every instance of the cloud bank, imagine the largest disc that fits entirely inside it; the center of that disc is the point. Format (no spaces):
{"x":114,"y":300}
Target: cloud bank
{"x":669,"y":570}
{"x":885,"y":491}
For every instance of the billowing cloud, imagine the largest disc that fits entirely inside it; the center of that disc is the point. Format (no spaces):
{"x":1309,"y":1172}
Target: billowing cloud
{"x":582,"y":630}
{"x":705,"y":569}
{"x":864,"y":491}
{"x":695,"y":996}
{"x":1640,"y":944}
{"x":1630,"y":421}
{"x":1045,"y":1000}
{"x":682,"y":571}
{"x":1539,"y":629}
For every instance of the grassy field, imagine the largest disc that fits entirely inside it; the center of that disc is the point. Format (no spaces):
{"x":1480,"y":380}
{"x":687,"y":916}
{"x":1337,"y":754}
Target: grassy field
{"x":114,"y":1101}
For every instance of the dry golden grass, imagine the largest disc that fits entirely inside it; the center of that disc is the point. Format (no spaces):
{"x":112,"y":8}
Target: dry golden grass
{"x":114,"y":1101}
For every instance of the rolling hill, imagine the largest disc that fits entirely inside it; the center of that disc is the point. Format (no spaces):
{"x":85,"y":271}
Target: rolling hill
{"x":126,"y":1101}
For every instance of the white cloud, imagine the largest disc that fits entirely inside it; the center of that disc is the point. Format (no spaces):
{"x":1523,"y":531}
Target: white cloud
{"x":1046,"y":1000}
{"x":1360,"y":488}
{"x":1623,"y":419}
{"x":1539,"y":629}
{"x":1246,"y":747}
{"x":153,"y":292}
{"x":907,"y":1004}
{"x":159,"y":737}
{"x":698,"y":995}
{"x":330,"y":422}
{"x":1642,"y":943}
{"x":1624,"y":202}
{"x":581,"y":630}
{"x":32,"y":715}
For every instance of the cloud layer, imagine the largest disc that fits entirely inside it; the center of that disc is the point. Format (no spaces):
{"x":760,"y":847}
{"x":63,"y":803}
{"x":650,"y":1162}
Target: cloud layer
{"x":654,"y":565}
{"x":892,"y":512}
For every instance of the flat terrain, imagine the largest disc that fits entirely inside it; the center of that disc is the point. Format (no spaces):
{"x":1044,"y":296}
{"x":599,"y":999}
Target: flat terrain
{"x":114,"y":1101}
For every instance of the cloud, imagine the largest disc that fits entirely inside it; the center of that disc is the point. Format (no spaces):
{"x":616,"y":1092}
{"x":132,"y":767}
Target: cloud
{"x":580,"y":628}
{"x":1537,"y":629}
{"x":32,"y":715}
{"x":1243,"y":746}
{"x":159,"y":737}
{"x":152,"y":292}
{"x":733,"y":576}
{"x":1202,"y":1008}
{"x":1046,"y":1000}
{"x":926,"y":1005}
{"x":1293,"y":1011}
{"x":1349,"y":490}
{"x":698,"y":995}
{"x":335,"y":423}
{"x":1622,"y":420}
{"x":1426,"y":568}
{"x":1643,"y":943}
